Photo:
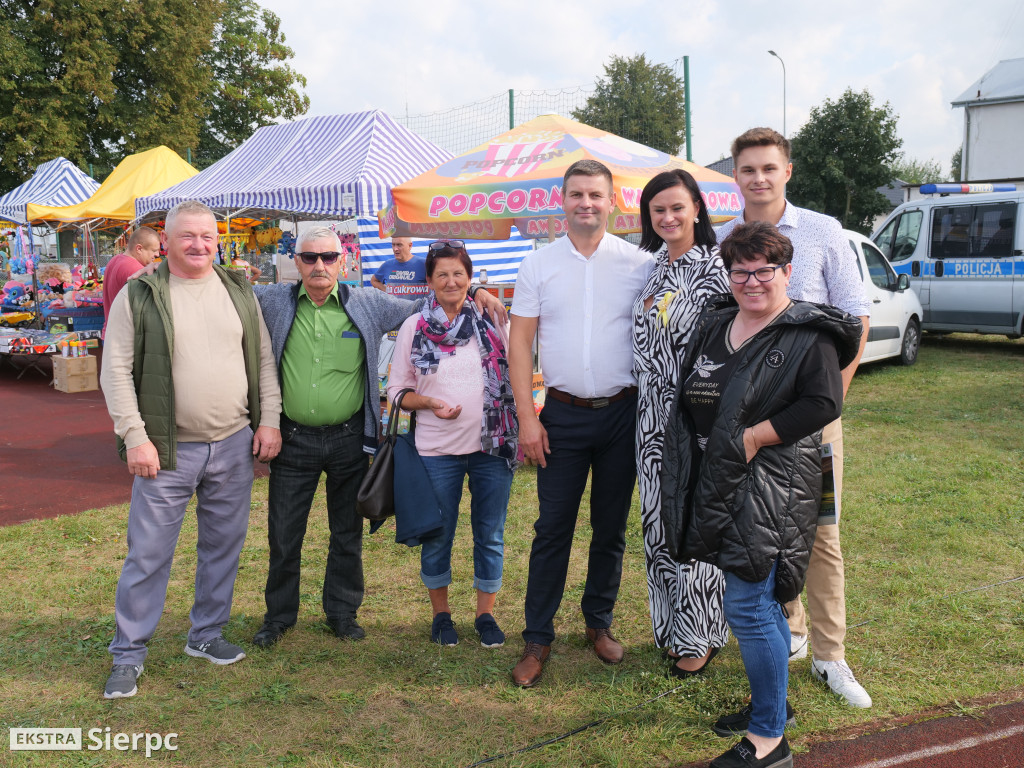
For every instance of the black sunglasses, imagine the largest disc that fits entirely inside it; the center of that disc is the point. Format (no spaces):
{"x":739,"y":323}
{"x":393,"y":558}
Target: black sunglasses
{"x":440,"y":245}
{"x":328,"y":257}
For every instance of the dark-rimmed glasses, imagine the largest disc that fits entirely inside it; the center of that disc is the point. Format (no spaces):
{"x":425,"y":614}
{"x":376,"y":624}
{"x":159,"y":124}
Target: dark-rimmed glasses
{"x":328,"y":257}
{"x":762,"y":274}
{"x":440,"y":245}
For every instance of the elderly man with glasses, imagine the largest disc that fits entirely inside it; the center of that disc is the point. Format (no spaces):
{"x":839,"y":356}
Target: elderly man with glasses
{"x":326,"y":338}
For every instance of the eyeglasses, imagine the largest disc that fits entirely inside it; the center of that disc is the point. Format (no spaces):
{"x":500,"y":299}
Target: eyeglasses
{"x":762,"y":275}
{"x":328,"y":257}
{"x":440,"y":245}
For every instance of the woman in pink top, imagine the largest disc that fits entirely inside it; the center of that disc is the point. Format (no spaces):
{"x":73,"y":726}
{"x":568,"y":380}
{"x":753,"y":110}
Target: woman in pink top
{"x":455,"y":359}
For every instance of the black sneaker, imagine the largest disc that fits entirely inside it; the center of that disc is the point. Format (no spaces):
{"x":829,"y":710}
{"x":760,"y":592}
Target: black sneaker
{"x":742,"y":755}
{"x":736,"y":724}
{"x":217,"y":651}
{"x":490,"y":633}
{"x":442,"y":630}
{"x":121,"y":683}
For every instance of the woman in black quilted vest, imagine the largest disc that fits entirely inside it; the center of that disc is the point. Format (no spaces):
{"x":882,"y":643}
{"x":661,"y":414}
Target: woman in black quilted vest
{"x":742,"y":473}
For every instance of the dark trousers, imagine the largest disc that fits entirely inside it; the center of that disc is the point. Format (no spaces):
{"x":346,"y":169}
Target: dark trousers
{"x":294,"y":475}
{"x":582,"y":440}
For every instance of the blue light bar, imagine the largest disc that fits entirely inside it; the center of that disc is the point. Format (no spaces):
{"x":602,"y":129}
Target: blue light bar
{"x":955,"y":189}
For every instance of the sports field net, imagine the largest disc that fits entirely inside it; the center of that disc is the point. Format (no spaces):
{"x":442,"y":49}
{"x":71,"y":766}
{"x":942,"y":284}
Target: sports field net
{"x":462,"y":128}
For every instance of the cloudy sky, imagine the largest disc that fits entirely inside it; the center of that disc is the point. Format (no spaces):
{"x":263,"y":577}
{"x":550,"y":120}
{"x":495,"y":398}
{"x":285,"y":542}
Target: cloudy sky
{"x":422,"y":56}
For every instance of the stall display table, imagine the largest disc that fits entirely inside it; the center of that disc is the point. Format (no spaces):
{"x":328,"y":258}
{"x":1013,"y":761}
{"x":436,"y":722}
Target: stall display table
{"x":32,"y":346}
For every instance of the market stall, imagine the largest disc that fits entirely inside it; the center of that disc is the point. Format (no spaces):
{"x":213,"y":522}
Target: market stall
{"x":516,"y":179}
{"x":77,"y":299}
{"x":332,"y":167}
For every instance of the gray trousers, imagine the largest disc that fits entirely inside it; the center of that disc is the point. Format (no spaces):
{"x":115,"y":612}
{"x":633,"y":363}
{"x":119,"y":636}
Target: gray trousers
{"x":220,"y":475}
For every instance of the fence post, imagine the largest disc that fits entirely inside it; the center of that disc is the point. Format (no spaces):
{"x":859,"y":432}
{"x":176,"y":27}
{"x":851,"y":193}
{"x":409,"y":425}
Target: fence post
{"x":511,"y":109}
{"x":686,"y":105}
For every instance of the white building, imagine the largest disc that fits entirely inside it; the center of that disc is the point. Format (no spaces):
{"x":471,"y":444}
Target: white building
{"x":993,"y":146}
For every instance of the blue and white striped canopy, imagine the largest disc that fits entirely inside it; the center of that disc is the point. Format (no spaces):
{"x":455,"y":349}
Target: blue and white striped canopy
{"x":501,"y":258}
{"x":328,"y":167}
{"x":56,"y":182}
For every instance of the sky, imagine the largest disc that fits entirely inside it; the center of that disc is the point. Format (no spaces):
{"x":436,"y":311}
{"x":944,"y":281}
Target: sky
{"x":411,"y":57}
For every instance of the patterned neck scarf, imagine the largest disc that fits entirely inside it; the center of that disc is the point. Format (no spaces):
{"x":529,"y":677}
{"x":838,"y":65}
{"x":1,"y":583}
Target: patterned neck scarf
{"x":437,"y":336}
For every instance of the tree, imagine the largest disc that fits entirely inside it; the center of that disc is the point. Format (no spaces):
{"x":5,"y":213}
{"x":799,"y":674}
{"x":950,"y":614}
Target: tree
{"x":96,"y":80}
{"x":252,"y":82}
{"x":640,"y":101}
{"x":914,"y":171}
{"x":954,"y":171}
{"x":842,"y":155}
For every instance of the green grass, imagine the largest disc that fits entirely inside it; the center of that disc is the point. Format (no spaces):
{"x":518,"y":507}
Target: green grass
{"x":933,"y":509}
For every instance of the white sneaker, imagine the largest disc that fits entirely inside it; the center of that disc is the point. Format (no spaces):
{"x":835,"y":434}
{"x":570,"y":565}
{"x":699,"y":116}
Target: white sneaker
{"x":839,"y":677}
{"x":797,"y":647}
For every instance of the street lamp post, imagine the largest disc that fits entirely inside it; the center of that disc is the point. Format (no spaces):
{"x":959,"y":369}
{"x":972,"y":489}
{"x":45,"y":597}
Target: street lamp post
{"x":773,"y":53}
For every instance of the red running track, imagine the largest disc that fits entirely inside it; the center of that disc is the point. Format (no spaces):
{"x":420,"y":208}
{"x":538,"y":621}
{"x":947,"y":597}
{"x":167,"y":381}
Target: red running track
{"x":992,"y":739}
{"x":57,"y":452}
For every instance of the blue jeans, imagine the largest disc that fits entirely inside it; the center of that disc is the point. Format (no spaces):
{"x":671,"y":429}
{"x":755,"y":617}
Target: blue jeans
{"x":756,"y":619}
{"x":490,"y":481}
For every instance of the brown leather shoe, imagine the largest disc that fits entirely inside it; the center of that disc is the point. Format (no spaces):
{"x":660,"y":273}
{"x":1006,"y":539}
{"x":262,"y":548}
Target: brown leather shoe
{"x":608,"y":649}
{"x":528,"y":671}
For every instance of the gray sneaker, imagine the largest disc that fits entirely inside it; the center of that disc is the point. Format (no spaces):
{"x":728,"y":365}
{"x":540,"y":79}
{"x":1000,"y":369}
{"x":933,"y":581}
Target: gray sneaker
{"x":121,"y":683}
{"x":216,"y":651}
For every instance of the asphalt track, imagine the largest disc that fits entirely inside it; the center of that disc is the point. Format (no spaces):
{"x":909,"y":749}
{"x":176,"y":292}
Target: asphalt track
{"x":57,"y":457}
{"x":57,"y":453}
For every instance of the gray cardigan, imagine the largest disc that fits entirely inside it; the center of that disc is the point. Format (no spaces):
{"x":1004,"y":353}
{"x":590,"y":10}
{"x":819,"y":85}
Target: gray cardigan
{"x":372,"y":311}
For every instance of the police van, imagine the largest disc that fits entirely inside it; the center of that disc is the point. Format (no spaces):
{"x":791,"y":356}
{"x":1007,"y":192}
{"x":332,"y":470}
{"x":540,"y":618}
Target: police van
{"x":963,"y":253}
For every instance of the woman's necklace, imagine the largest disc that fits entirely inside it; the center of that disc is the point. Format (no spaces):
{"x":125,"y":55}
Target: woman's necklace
{"x":740,"y":333}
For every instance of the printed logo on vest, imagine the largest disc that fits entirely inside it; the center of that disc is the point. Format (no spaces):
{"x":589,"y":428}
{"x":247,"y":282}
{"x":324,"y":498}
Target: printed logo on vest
{"x":775,"y":358}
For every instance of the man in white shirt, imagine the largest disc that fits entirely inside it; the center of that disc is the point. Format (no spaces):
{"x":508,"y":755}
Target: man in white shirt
{"x":824,"y":271}
{"x":578,"y":293}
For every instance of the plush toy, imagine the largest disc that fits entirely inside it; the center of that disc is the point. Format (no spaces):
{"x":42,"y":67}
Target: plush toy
{"x":13,"y":292}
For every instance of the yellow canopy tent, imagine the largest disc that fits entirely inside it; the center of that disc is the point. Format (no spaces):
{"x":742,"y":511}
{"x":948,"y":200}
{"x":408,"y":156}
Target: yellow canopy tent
{"x":145,"y":173}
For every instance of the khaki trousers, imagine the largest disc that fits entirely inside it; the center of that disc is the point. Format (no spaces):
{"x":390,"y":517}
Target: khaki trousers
{"x":826,"y":582}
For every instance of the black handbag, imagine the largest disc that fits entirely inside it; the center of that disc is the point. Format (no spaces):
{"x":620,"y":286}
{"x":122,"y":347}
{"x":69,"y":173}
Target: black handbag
{"x":375,"y":500}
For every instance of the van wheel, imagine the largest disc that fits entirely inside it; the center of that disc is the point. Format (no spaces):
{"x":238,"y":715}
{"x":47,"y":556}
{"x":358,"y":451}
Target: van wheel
{"x":911,"y":343}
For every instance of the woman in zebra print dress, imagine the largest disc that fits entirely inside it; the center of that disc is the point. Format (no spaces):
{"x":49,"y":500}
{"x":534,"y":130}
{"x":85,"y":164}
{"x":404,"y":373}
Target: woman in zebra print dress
{"x":686,"y":599}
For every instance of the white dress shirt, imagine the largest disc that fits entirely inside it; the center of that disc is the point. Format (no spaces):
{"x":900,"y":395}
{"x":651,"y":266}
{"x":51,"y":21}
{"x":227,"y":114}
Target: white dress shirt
{"x":584,"y":308}
{"x":824,"y":266}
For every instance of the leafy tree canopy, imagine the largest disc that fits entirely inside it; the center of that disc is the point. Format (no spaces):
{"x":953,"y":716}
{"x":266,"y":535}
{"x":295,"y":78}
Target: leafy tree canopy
{"x":96,"y":80}
{"x":252,"y":81}
{"x":842,"y":155}
{"x":640,"y":101}
{"x":914,"y":171}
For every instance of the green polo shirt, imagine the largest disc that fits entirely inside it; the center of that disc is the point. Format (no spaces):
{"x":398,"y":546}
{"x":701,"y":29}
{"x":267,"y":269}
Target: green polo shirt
{"x":323,"y":368}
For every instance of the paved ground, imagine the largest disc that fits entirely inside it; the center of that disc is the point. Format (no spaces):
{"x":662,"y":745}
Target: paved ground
{"x":57,"y":453}
{"x":991,"y":736}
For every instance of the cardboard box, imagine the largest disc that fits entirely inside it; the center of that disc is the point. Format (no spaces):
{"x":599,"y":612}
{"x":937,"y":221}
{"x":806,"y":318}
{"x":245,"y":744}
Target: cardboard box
{"x":75,"y":374}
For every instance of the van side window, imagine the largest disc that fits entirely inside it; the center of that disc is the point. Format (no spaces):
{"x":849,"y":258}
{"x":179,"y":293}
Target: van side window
{"x":950,"y":230}
{"x":979,"y":231}
{"x":992,"y":234}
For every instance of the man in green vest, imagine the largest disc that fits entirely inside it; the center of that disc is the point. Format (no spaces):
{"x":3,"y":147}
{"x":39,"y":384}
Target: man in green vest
{"x":191,"y":385}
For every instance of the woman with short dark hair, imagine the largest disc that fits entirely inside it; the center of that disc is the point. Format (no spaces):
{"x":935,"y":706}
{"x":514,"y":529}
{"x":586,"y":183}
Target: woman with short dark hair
{"x":454,"y":357}
{"x":742,"y":469}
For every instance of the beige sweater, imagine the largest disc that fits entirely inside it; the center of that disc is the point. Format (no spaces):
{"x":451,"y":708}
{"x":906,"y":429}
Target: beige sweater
{"x":210,"y":389}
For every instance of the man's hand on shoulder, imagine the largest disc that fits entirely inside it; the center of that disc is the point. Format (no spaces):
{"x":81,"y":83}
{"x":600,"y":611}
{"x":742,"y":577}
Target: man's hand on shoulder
{"x":266,"y":443}
{"x":488,"y":302}
{"x":149,"y":269}
{"x":143,"y":460}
